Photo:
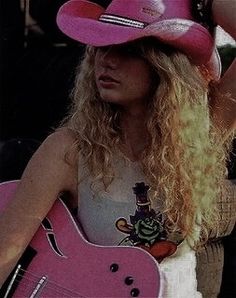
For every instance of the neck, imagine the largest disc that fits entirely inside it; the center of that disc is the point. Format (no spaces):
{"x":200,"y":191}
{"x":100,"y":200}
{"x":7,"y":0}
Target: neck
{"x":133,"y":124}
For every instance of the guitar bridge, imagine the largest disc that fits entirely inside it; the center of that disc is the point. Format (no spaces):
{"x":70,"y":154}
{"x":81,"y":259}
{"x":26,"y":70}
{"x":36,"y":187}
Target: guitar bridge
{"x":39,"y":287}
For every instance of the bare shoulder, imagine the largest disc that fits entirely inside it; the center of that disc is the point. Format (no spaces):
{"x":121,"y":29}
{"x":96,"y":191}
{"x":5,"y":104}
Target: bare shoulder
{"x":53,"y":150}
{"x":59,"y":142}
{"x":49,"y":166}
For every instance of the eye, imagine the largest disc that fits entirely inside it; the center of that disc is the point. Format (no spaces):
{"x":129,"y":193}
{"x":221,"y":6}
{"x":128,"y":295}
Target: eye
{"x":104,"y":49}
{"x":126,"y":50}
{"x":130,"y":50}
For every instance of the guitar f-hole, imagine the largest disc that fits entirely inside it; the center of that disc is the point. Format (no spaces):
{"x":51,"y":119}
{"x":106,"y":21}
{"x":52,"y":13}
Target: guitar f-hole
{"x":53,"y":243}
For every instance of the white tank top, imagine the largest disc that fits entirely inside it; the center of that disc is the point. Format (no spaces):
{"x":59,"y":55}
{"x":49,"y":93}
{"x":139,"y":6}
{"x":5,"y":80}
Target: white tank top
{"x":99,"y":214}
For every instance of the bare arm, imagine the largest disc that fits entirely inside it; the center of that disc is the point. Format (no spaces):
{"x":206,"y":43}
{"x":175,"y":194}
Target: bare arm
{"x":46,"y":175}
{"x":224,"y":110}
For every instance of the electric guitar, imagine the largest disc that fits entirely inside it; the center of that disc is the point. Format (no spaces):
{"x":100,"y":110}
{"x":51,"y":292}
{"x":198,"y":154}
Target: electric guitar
{"x":60,"y":262}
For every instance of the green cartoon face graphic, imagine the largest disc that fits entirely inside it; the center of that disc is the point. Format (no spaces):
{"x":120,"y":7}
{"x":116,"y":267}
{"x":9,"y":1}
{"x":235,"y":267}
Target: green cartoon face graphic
{"x":148,"y":229}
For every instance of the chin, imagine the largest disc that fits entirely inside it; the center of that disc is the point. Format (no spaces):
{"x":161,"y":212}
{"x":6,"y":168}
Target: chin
{"x":112,"y":98}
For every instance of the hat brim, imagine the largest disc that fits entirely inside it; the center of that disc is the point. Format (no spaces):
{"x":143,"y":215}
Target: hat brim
{"x":189,"y":37}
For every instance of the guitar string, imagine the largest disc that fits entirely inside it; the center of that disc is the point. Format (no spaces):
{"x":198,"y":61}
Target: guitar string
{"x":37,"y":277}
{"x":27,"y":291}
{"x":49,"y":284}
{"x":26,"y":287}
{"x":53,"y":288}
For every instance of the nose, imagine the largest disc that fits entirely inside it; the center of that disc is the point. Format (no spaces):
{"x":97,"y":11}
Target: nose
{"x":108,"y":57}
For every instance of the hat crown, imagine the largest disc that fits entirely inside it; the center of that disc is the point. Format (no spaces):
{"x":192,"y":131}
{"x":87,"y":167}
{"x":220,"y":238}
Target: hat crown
{"x":173,"y":22}
{"x":150,"y":11}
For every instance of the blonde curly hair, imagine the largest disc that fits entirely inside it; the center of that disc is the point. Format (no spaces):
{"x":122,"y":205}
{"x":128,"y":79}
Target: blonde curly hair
{"x":185,"y":160}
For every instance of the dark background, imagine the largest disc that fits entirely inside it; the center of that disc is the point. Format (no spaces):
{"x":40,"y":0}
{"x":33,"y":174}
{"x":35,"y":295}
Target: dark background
{"x":37,"y":68}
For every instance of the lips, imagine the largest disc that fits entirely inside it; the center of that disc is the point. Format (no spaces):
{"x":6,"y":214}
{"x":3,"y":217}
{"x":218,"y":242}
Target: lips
{"x":107,"y":79}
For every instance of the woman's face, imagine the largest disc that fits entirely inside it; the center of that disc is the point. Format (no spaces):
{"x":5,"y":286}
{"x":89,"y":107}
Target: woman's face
{"x":122,"y":75}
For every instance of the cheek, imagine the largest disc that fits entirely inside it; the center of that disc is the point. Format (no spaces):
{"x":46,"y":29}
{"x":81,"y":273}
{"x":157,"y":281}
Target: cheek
{"x":141,"y":80}
{"x":97,"y":66}
{"x":96,"y":69}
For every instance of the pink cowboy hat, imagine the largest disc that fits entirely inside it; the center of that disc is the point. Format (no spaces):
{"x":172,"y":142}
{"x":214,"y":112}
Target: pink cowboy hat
{"x":170,"y":21}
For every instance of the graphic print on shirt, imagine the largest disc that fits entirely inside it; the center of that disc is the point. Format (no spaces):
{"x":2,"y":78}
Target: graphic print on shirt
{"x":146,"y":228}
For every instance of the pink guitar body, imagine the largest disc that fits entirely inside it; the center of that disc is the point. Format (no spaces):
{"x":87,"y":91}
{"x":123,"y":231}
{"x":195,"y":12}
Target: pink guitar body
{"x":67,"y":265}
